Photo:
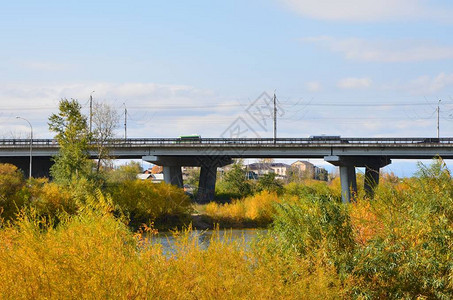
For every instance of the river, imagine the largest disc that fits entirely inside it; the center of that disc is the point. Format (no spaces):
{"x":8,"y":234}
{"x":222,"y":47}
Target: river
{"x":167,"y":239}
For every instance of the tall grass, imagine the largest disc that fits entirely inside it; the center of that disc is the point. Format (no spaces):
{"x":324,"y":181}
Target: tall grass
{"x":94,"y":255}
{"x":397,"y":246}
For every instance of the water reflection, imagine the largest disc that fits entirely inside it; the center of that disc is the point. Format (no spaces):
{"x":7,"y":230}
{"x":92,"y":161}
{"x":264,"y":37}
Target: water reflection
{"x":203,"y":237}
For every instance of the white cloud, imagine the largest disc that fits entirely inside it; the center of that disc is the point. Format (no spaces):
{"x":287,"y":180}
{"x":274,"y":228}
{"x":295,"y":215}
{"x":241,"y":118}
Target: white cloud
{"x":313,"y":86}
{"x":426,"y":85}
{"x":154,"y":110}
{"x":368,"y":10}
{"x":354,"y":83}
{"x":383,"y":50}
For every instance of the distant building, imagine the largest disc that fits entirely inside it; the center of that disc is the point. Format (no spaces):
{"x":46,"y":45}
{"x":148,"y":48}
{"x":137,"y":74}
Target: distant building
{"x":280,"y":168}
{"x":145,"y":176}
{"x":260,"y":169}
{"x":305,"y":169}
{"x":155,"y":178}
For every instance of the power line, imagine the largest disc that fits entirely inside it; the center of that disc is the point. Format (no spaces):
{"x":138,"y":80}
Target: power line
{"x":220,"y":105}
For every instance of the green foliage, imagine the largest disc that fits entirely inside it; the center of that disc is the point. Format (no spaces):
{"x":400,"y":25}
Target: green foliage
{"x":127,"y":172}
{"x":313,"y":223}
{"x":396,"y":246}
{"x":309,"y":189}
{"x":72,"y":134}
{"x":235,"y":183}
{"x":145,"y":202}
{"x":269,"y":183}
{"x":411,"y":255}
{"x":193,"y":177}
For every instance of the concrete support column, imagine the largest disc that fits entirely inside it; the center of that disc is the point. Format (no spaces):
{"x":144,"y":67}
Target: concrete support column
{"x":371,"y":179}
{"x":208,"y":173}
{"x":348,"y":183}
{"x":173,"y":175}
{"x":347,"y":166}
{"x":206,"y":186}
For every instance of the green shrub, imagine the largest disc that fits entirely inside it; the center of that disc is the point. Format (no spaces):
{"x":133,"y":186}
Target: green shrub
{"x":411,"y":255}
{"x":312,"y":224}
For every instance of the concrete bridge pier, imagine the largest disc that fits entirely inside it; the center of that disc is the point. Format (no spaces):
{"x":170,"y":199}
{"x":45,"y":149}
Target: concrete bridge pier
{"x":348,"y":182}
{"x":206,"y":185}
{"x":208,"y":173}
{"x":371,"y":178}
{"x":173,"y":175}
{"x":347,"y":166}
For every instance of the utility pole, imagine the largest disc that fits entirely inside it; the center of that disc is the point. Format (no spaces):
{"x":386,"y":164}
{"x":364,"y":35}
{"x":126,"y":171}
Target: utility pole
{"x":91,"y":111}
{"x":125,"y":122}
{"x":438,"y":117}
{"x":275,"y":119}
{"x":31,"y":145}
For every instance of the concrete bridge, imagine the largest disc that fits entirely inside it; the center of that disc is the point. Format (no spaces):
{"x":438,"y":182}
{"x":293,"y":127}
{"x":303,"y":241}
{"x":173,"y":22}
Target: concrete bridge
{"x":211,"y":153}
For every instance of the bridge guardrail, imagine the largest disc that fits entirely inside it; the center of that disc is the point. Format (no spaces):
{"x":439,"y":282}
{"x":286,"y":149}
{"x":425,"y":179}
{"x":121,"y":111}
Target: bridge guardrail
{"x":8,"y":143}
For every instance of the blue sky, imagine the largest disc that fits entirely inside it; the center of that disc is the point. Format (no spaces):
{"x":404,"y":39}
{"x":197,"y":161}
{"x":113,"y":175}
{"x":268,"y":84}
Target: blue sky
{"x":356,"y":68}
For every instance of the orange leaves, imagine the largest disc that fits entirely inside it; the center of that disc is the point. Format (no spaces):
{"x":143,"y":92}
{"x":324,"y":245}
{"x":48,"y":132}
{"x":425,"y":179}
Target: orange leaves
{"x":364,"y":221}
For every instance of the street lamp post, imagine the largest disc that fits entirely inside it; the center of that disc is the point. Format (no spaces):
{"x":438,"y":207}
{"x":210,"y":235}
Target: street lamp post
{"x":31,"y":144}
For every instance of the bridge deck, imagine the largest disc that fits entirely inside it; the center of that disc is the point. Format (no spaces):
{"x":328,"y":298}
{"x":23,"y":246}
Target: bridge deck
{"x":140,"y":142}
{"x":416,"y":148}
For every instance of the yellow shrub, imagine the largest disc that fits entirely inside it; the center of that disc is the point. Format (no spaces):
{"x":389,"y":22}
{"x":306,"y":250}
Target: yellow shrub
{"x":94,"y":256}
{"x":49,"y":198}
{"x":258,"y":209}
{"x":11,"y":183}
{"x":144,"y":201}
{"x":365,"y":221}
{"x":260,"y":206}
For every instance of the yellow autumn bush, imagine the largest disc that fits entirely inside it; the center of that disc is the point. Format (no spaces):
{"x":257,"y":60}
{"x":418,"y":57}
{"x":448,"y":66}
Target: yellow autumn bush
{"x":257,"y":209}
{"x":93,"y":255}
{"x":144,"y":201}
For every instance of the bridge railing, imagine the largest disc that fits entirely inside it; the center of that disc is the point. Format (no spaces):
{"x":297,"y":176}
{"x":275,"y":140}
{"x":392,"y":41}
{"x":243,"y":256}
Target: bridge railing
{"x":140,"y":142}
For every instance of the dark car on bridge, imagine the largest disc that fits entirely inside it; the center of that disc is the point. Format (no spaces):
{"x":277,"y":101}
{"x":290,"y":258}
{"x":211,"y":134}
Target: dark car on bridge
{"x":327,"y":139}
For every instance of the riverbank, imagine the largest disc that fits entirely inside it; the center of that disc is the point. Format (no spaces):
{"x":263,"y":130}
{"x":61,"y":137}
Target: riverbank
{"x":206,"y":222}
{"x":395,"y":246}
{"x":254,"y":211}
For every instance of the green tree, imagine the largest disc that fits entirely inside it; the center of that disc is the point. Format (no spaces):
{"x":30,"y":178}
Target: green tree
{"x":269,"y":183}
{"x":193,"y":177}
{"x":127,"y":172}
{"x":72,"y":134}
{"x":322,"y":174}
{"x":236,"y":181}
